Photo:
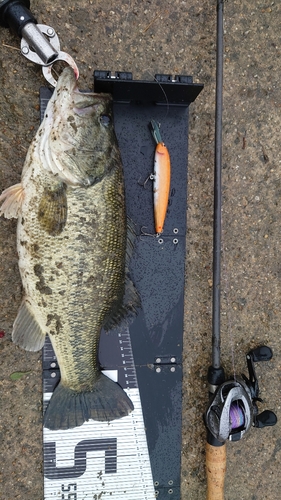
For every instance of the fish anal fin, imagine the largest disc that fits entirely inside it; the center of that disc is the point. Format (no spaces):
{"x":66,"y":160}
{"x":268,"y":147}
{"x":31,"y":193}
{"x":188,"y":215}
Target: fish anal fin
{"x":26,"y":331}
{"x":52,"y":213}
{"x":12,"y":199}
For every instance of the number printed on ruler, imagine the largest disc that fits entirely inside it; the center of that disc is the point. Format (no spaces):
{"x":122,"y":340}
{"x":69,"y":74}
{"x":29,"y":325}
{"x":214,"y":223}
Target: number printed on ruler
{"x":108,"y":459}
{"x":71,"y":489}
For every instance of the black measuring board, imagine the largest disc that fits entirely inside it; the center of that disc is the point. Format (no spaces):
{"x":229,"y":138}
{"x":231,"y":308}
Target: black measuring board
{"x":149,"y":355}
{"x":163,"y":90}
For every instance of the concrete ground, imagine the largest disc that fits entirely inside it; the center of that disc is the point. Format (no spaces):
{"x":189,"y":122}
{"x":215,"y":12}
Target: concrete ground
{"x":176,"y":37}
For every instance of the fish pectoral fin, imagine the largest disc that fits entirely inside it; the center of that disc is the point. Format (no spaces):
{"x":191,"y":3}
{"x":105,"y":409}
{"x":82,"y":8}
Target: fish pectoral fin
{"x":69,"y":161}
{"x":26,"y":331}
{"x":52,"y":213}
{"x":12,"y":199}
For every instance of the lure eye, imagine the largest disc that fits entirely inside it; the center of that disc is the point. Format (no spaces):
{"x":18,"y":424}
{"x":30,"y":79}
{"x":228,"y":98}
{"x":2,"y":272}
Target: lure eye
{"x":105,"y":120}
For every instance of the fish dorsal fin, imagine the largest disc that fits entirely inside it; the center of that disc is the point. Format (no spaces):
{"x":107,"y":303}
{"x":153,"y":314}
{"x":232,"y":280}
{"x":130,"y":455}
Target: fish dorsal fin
{"x":12,"y":199}
{"x":131,"y":300}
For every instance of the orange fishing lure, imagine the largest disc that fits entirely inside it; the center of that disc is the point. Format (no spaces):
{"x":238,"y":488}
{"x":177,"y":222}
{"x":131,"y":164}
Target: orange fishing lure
{"x":161,"y":179}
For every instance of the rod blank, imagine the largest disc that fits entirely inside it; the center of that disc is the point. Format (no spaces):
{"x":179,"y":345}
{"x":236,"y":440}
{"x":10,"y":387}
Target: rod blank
{"x":217,"y":192}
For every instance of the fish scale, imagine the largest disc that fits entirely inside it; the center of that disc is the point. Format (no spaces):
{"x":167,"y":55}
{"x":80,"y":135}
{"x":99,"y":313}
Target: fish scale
{"x":72,"y":368}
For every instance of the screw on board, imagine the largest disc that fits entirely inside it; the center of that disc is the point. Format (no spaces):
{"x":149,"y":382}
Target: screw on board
{"x":51,"y":32}
{"x":166,"y":361}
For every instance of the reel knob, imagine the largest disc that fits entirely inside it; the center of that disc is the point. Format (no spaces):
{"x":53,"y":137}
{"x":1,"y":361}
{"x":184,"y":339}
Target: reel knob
{"x":262,"y":353}
{"x":265,"y":419}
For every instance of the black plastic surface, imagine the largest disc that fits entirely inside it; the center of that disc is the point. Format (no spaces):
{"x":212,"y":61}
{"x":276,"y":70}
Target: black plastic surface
{"x":216,"y":376}
{"x":213,"y":441}
{"x":164,"y":90}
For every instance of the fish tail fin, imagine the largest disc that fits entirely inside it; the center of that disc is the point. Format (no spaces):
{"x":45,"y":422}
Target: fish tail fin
{"x":105,"y":402}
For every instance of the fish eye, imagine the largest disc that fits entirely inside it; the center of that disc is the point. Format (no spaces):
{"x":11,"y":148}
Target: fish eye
{"x":105,"y":120}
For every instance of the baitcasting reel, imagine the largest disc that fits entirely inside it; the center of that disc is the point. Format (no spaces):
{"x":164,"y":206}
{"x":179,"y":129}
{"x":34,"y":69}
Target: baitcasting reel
{"x":232,"y":409}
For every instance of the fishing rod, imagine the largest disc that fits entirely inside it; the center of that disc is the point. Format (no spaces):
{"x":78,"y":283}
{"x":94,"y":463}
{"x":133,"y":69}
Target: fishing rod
{"x":232,"y":408}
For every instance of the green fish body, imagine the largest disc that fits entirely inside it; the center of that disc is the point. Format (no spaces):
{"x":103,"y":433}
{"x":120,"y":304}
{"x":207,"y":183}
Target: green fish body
{"x":72,"y":246}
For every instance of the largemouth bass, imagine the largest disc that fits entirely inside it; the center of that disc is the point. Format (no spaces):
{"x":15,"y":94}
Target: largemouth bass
{"x":73,"y":242}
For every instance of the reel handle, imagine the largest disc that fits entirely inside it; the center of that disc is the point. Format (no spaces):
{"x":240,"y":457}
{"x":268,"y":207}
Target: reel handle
{"x":267,"y":418}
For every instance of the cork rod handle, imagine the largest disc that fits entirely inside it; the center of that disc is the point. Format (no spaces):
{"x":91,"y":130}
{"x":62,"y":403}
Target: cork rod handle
{"x":215,"y":468}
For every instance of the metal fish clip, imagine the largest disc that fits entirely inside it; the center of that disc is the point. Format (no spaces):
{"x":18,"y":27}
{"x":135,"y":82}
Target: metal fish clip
{"x":40,"y":44}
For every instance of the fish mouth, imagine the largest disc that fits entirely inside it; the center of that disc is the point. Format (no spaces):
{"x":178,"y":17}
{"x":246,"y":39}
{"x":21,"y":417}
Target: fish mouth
{"x":67,"y":81}
{"x":67,"y":90}
{"x":85,"y":102}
